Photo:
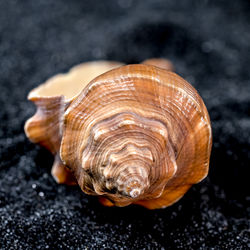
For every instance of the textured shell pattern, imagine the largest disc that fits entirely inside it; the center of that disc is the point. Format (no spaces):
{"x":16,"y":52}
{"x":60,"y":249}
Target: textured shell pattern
{"x":136,"y":134}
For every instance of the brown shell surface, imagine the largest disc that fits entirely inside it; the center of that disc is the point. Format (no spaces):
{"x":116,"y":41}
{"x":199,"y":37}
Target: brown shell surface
{"x":137,"y":134}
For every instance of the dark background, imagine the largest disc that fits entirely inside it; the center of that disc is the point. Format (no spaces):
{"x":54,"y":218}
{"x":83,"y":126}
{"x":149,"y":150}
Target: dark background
{"x":209,"y":44}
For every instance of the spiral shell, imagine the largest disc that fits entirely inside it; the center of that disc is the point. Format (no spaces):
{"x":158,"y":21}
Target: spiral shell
{"x":136,"y":134}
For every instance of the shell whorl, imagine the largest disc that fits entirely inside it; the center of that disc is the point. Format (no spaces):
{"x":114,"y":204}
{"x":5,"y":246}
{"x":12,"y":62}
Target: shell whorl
{"x":123,"y":152}
{"x":133,"y":132}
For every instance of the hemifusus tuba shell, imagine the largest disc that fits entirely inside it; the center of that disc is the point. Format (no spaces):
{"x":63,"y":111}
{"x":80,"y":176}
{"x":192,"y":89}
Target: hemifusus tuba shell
{"x":136,"y":134}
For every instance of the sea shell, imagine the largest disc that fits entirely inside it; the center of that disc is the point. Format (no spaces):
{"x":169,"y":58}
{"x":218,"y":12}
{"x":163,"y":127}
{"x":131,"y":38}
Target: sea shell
{"x":136,"y":134}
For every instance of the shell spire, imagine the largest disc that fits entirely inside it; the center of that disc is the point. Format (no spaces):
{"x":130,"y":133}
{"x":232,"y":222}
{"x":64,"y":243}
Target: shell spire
{"x":133,"y":181}
{"x":137,"y":134}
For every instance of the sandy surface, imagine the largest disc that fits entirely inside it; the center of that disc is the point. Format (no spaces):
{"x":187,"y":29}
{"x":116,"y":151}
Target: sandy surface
{"x":209,"y":44}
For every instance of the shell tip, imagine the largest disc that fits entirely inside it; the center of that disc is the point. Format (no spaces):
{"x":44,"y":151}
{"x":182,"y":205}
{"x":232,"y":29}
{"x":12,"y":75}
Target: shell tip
{"x":135,"y":192}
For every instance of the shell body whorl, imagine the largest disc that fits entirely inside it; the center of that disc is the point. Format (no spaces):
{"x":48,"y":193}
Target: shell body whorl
{"x":137,"y":134}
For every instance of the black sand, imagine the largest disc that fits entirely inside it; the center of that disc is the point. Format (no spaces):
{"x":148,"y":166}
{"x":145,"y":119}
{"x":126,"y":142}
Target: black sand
{"x":208,"y":42}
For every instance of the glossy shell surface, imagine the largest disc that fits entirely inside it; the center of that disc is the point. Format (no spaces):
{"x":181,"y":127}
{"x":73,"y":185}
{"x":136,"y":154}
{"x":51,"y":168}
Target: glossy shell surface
{"x":137,"y":134}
